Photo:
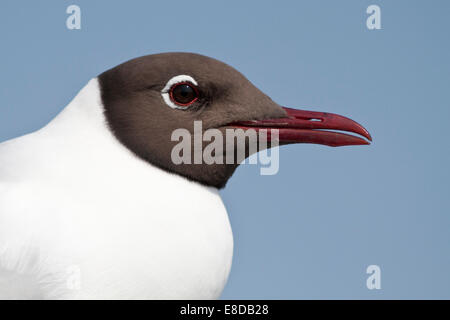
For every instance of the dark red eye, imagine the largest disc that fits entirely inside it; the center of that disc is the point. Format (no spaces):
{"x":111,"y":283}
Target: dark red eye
{"x":183,"y":93}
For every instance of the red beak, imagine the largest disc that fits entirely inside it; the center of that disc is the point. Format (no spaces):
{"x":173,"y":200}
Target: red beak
{"x":310,"y":127}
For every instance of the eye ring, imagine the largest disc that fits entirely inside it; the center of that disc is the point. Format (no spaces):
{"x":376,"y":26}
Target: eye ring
{"x":167,"y":91}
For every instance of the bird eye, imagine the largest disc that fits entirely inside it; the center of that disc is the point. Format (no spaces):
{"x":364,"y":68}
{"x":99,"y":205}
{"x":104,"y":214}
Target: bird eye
{"x":180,"y":92}
{"x":183,"y":93}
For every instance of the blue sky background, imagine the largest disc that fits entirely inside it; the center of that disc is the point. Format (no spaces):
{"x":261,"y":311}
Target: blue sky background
{"x":311,"y":230}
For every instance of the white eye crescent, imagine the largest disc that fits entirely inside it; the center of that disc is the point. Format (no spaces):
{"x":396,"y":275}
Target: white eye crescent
{"x":167,"y":92}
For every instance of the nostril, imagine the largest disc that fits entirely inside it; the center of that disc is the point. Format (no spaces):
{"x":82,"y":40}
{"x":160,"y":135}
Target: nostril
{"x":308,"y":119}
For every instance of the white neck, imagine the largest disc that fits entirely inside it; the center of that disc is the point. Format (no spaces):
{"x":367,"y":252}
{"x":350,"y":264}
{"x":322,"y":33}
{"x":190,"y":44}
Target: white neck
{"x":131,"y":227}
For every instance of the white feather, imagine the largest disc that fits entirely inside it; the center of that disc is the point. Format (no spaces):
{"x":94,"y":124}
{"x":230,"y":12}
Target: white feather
{"x":73,"y":198}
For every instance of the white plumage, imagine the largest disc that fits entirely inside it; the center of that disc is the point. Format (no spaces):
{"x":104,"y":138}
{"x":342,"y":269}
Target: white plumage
{"x":82,"y":217}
